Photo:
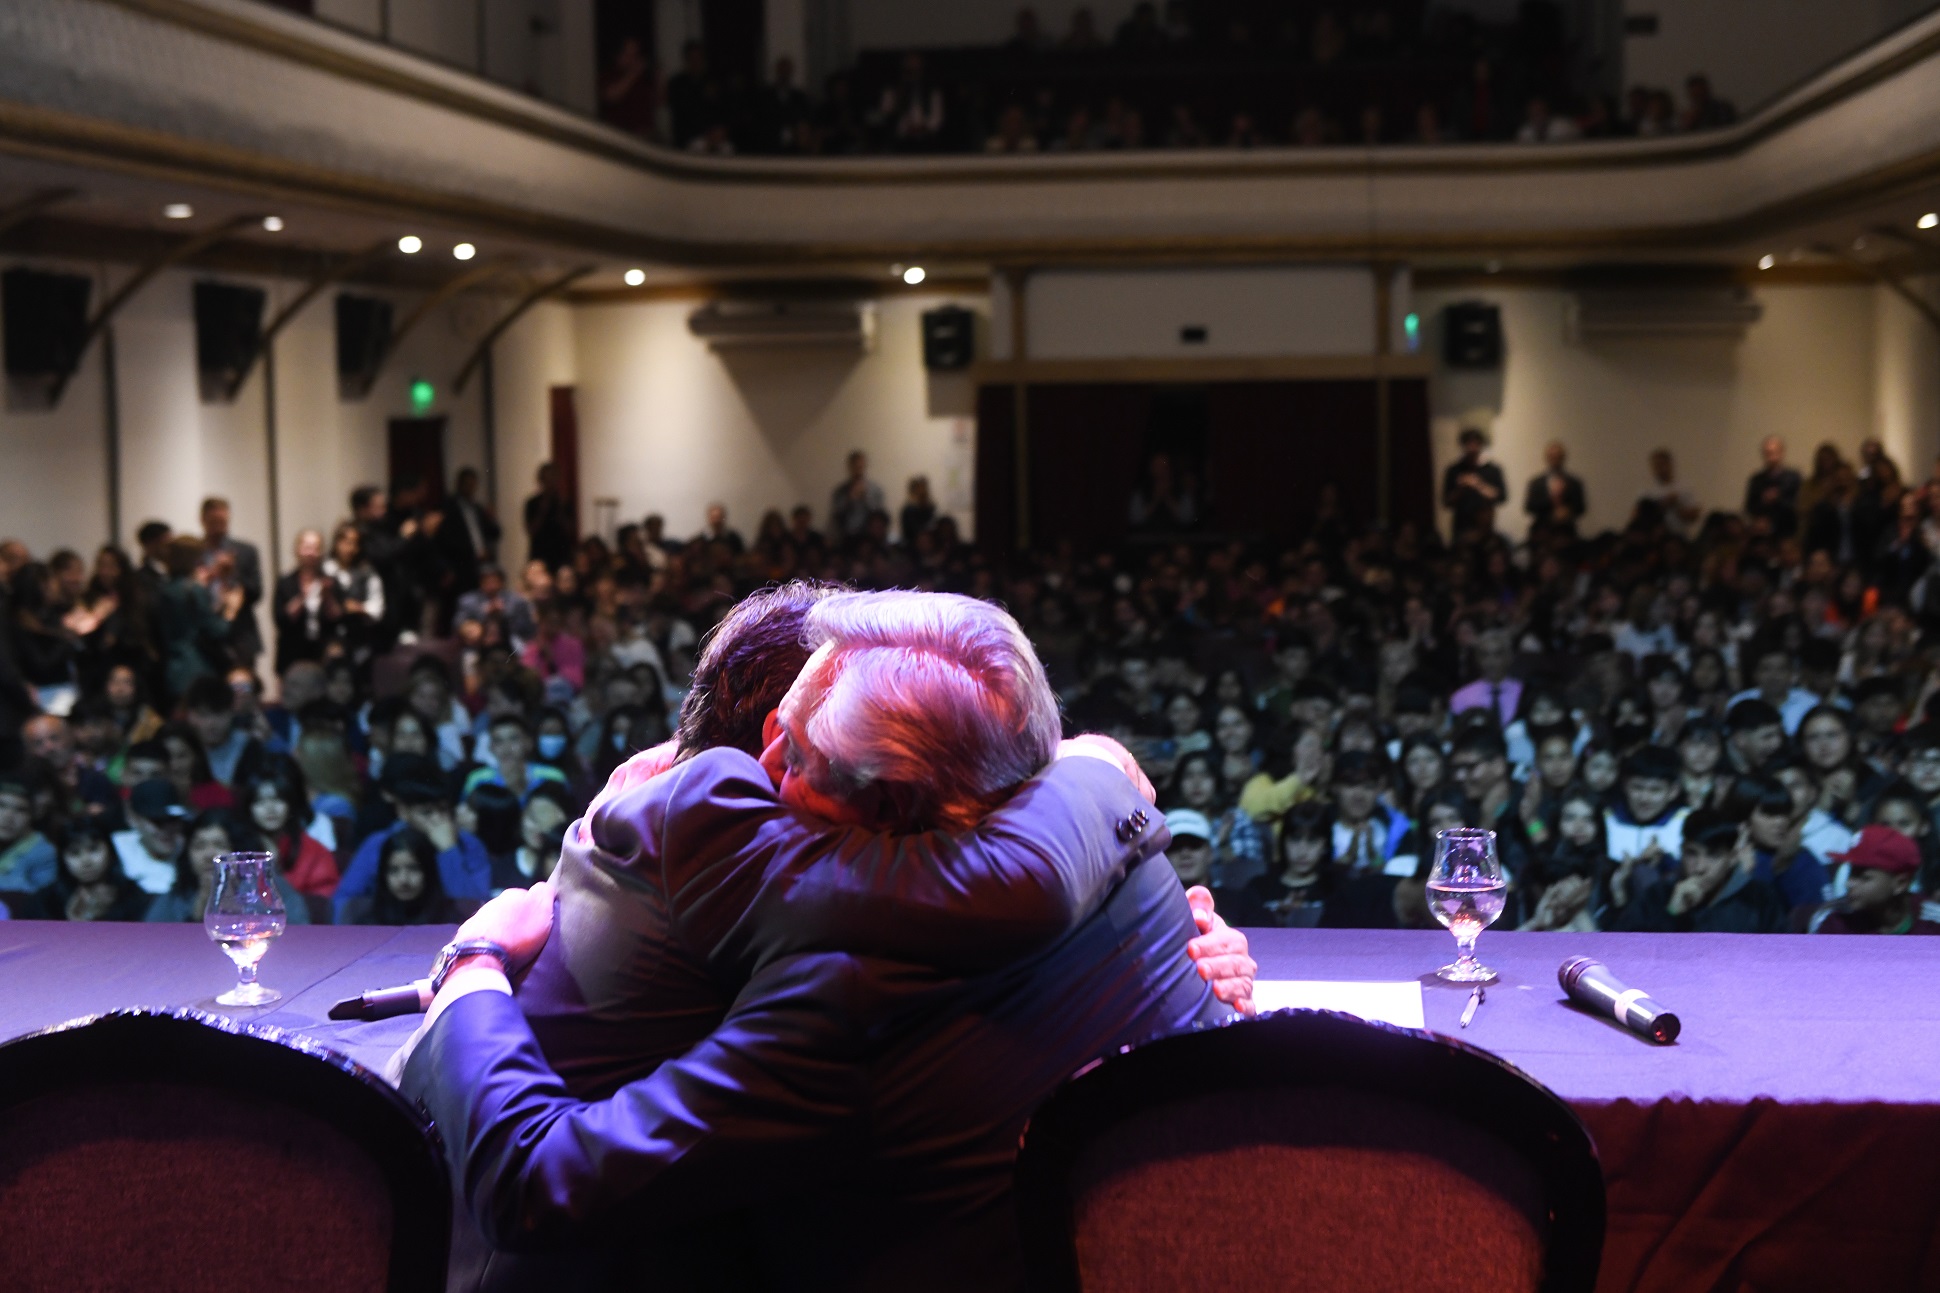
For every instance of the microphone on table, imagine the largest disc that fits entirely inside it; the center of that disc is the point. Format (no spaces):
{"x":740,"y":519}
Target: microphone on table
{"x":1590,"y":984}
{"x":385,"y":1003}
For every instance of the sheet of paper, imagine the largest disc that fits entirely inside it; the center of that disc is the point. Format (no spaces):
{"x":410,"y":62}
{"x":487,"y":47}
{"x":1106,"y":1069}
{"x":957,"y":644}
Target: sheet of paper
{"x":1382,"y":1003}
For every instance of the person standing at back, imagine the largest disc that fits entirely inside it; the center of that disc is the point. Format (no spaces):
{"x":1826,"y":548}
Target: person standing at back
{"x":228,"y":563}
{"x":1772,"y":493}
{"x":1554,"y":501}
{"x":851,"y":501}
{"x":548,"y":521}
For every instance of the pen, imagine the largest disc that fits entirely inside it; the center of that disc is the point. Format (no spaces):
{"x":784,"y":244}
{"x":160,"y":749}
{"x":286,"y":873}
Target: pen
{"x":1468,"y":1011}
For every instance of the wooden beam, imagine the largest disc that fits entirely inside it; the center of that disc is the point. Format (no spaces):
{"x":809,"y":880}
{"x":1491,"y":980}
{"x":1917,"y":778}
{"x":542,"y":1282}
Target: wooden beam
{"x":337,"y":273}
{"x":442,"y":293}
{"x":27,"y":208}
{"x":526,"y":302}
{"x":175,"y":255}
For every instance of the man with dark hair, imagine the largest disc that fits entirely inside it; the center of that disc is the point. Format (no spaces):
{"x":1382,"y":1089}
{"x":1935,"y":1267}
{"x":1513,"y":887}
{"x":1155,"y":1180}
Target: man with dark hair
{"x":1756,"y":733}
{"x":1473,"y":489}
{"x":1366,"y":834}
{"x":470,"y":533}
{"x":1494,"y":690}
{"x":550,"y":528}
{"x":210,"y":706}
{"x":1646,"y":822}
{"x":1712,"y":892}
{"x":1773,"y":672}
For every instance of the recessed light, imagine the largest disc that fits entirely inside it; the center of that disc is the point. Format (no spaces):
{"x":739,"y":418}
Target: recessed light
{"x":464,"y":251}
{"x":1859,"y":244}
{"x":274,"y":224}
{"x":1492,"y":267}
{"x":914,"y":275}
{"x":410,"y":244}
{"x":1767,"y":261}
{"x":635,"y":277}
{"x":1929,"y":220}
{"x":178,"y":211}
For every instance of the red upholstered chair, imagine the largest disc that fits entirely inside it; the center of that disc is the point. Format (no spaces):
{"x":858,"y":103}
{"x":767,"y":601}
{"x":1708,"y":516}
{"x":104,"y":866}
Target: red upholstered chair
{"x":1308,"y":1151}
{"x":171,"y":1151}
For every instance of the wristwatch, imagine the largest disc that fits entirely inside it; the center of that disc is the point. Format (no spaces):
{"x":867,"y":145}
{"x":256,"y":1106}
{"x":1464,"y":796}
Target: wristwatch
{"x":450,"y":953}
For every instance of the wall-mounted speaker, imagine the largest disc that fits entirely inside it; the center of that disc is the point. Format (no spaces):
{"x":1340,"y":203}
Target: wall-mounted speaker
{"x":46,"y":317}
{"x":363,"y":335}
{"x":1472,"y":335}
{"x":949,"y":338}
{"x":228,"y":337}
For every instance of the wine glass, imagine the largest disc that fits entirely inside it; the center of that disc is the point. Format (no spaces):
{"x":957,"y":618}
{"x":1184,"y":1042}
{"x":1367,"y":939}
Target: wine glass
{"x":1466,"y":891}
{"x":245,"y":913}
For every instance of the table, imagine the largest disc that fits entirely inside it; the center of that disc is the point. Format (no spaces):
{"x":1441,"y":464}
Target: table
{"x":1789,"y":1141}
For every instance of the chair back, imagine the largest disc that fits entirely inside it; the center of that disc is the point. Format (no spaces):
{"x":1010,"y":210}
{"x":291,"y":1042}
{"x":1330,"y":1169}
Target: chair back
{"x":171,"y":1150}
{"x":1308,"y":1151}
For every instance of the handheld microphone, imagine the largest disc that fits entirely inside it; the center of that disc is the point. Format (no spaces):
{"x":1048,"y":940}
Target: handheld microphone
{"x":1590,"y":984}
{"x":385,"y":1003}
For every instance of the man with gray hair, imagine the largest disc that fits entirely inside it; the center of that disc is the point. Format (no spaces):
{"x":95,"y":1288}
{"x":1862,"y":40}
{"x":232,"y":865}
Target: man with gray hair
{"x":911,"y":984}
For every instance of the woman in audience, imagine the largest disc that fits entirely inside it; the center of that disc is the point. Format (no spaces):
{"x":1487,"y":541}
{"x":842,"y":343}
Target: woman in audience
{"x":127,"y":698}
{"x":1423,"y":767}
{"x":408,"y":891}
{"x":188,"y":768}
{"x":1239,"y":853}
{"x":542,"y":830}
{"x":553,"y":745}
{"x":1295,"y":895}
{"x":331,"y":777}
{"x":1239,"y":757}
{"x":44,"y":650}
{"x":1567,"y":877}
{"x":89,"y":884}
{"x":1700,"y":751}
{"x":215,"y":831}
{"x":359,"y":593}
{"x":494,"y":815}
{"x":278,"y":804}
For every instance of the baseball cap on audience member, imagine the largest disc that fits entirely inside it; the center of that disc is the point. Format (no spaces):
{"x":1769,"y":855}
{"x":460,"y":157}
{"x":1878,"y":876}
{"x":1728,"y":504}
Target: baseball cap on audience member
{"x":157,"y":801}
{"x":1882,"y":849}
{"x":1188,"y":823}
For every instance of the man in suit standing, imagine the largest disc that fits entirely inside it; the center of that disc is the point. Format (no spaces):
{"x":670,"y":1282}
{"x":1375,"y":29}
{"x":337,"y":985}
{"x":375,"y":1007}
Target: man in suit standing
{"x":470,"y":533}
{"x":1772,"y":493}
{"x":804,"y":1055}
{"x":1554,"y":501}
{"x":549,"y":528}
{"x":230,"y":564}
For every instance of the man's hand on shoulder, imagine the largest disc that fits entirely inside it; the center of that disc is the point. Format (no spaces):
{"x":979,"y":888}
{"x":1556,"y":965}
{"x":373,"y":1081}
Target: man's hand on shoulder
{"x":1220,"y":953}
{"x":1092,"y":745}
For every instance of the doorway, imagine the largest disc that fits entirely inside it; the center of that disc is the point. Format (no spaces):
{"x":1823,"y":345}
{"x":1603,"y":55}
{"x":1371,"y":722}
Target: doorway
{"x":417,"y":459}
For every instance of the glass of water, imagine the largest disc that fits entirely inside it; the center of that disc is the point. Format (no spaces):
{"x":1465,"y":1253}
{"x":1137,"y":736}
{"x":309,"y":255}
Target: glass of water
{"x":245,"y":912}
{"x":1466,"y":891}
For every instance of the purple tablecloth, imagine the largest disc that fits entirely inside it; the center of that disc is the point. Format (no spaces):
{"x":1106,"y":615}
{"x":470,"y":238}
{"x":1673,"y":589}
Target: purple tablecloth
{"x":1789,"y":1141}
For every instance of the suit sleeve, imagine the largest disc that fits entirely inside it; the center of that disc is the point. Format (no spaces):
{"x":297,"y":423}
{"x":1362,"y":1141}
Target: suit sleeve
{"x":763,"y":1104}
{"x":1027,"y":874}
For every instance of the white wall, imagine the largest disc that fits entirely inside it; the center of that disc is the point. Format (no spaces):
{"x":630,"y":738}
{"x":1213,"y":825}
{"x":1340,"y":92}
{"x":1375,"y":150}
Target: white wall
{"x":1752,"y":49}
{"x":1807,"y":371}
{"x":176,"y":449}
{"x":1906,"y":395}
{"x":667,"y":425}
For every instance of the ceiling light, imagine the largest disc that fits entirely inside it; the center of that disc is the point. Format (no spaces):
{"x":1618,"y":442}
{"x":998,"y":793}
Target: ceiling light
{"x":1767,"y":261}
{"x":178,"y":211}
{"x":410,"y":244}
{"x":1929,"y":220}
{"x":464,"y":251}
{"x":1492,"y":267}
{"x":913,"y":275}
{"x":1859,"y":244}
{"x":273,"y":224}
{"x":635,"y":277}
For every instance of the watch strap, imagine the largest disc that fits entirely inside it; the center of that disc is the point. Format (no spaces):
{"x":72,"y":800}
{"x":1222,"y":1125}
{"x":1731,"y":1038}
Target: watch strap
{"x":453,"y":952}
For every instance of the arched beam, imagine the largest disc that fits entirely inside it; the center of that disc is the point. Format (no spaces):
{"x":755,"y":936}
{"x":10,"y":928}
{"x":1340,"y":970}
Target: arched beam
{"x":175,"y":255}
{"x":444,"y":292}
{"x":337,"y":273}
{"x":27,"y":208}
{"x":526,"y":302}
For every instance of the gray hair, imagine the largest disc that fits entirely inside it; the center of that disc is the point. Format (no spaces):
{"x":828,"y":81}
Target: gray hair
{"x":933,"y":701}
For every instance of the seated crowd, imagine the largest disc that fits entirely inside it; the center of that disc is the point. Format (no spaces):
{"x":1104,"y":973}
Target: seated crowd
{"x":1189,"y":74}
{"x":1723,"y":723}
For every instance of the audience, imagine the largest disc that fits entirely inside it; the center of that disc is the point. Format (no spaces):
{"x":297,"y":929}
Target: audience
{"x":1722,"y":722}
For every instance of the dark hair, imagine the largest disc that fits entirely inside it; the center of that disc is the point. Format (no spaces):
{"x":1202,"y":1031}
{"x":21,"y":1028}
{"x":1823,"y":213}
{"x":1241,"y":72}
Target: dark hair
{"x":1901,"y":791}
{"x":1756,"y":792}
{"x":1446,"y":795}
{"x":242,"y":834}
{"x":557,"y":793}
{"x":209,"y":694}
{"x":1751,"y":715}
{"x":1712,"y":830}
{"x":200,"y":775}
{"x":512,"y":719}
{"x":386,"y":908}
{"x":1651,"y":762}
{"x":746,"y":665}
{"x":282,"y":772}
{"x":1360,"y":767}
{"x":152,"y":532}
{"x":1484,"y":741}
{"x":497,"y":810}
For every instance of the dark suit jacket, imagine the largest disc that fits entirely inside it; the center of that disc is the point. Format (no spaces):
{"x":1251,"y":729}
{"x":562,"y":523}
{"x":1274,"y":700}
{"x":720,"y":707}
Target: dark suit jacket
{"x":245,"y":635}
{"x":866,"y":1111}
{"x":455,"y":539}
{"x":674,"y":894}
{"x":1537,"y":507}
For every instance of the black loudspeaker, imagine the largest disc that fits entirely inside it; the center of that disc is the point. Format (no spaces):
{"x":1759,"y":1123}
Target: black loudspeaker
{"x":363,"y":335}
{"x":949,"y":338}
{"x":46,"y":321}
{"x":228,"y":335}
{"x":1472,"y":335}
